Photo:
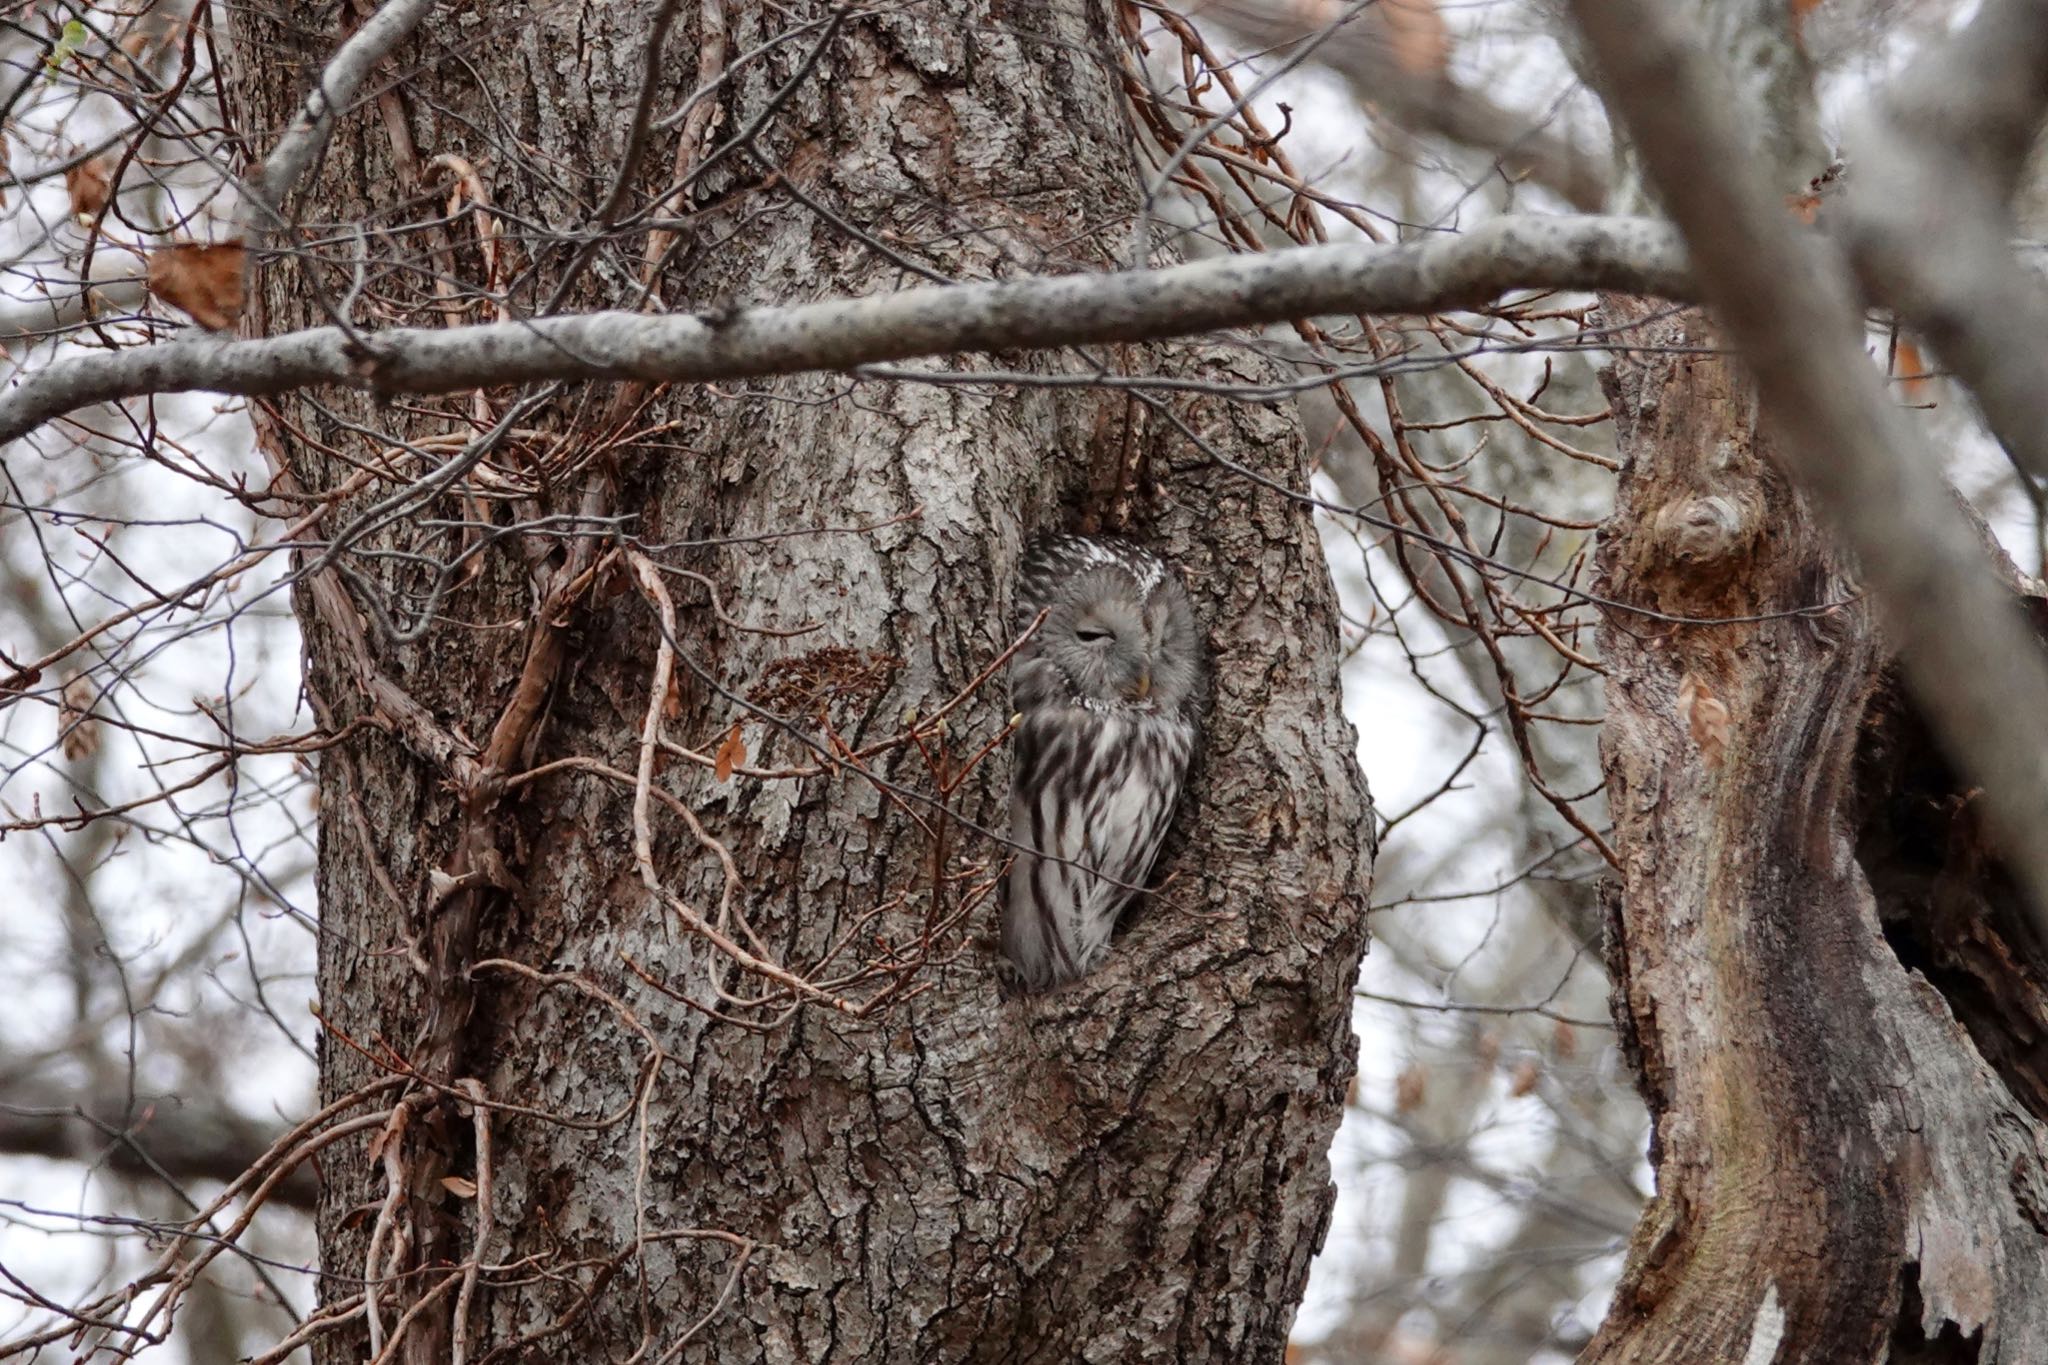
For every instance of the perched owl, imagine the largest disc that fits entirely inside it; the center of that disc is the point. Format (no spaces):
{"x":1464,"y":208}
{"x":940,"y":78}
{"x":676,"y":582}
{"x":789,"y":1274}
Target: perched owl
{"x":1110,"y":691}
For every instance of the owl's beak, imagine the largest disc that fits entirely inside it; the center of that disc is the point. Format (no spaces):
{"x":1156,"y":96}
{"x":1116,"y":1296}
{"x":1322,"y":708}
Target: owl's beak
{"x":1142,"y":688}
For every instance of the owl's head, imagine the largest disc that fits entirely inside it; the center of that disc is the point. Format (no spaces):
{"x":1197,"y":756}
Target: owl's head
{"x":1119,"y":630}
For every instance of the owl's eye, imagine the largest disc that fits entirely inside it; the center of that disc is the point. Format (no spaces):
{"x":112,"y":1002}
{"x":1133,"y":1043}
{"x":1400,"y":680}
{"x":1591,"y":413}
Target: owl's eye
{"x":1089,"y":635}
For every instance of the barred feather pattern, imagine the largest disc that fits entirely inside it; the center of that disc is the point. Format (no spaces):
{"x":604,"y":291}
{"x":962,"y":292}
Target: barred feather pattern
{"x":1109,"y":690}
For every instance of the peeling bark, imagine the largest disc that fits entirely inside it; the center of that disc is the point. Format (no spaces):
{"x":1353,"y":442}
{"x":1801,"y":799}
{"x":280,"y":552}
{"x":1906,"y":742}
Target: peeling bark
{"x":1132,"y":1169}
{"x":1842,"y":1172}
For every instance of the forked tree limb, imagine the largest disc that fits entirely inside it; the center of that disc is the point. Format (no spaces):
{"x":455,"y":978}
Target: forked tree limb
{"x":1963,"y":646}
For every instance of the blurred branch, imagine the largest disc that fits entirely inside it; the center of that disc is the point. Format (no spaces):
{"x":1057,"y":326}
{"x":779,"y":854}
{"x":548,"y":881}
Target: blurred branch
{"x":1929,"y":226}
{"x":29,"y":320}
{"x":1369,"y":59}
{"x":161,"y":1139}
{"x":1961,"y":641}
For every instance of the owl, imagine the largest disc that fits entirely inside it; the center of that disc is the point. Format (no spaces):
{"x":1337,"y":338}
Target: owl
{"x":1109,"y":690}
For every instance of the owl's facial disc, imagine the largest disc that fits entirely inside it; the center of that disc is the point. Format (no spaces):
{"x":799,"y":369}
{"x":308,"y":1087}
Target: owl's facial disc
{"x":1106,"y":652}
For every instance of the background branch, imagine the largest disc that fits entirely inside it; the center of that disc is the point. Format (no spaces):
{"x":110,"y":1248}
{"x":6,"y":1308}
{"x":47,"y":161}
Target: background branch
{"x":1929,"y":225}
{"x":168,"y":1138}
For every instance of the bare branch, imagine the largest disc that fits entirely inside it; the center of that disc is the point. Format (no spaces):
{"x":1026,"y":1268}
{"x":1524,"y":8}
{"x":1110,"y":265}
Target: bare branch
{"x":1964,"y":649}
{"x":1929,"y":226}
{"x":37,"y":319}
{"x":1635,"y":255}
{"x":1421,"y":102}
{"x":164,"y":1139}
{"x":302,"y":146}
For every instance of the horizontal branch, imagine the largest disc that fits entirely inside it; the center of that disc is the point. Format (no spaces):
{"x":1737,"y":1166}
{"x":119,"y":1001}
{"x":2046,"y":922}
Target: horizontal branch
{"x":23,"y":322}
{"x":1631,"y":255}
{"x":172,"y":1140}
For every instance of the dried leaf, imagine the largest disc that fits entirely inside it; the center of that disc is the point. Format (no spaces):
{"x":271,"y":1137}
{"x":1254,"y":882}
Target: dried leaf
{"x":202,"y":280}
{"x":460,"y":1186}
{"x":1800,"y":9}
{"x":1564,"y":1040}
{"x":1910,"y":368}
{"x":1417,"y":36}
{"x":1806,"y":206}
{"x":730,"y":755}
{"x":150,"y":31}
{"x":1707,"y":718}
{"x":392,"y":1131}
{"x":672,"y":703}
{"x":1411,"y":1088}
{"x":81,"y":733}
{"x":89,"y":184}
{"x":1525,"y":1078}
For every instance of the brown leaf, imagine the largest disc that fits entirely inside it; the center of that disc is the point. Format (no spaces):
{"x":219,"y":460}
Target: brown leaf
{"x":1411,"y":1088}
{"x":89,"y":184}
{"x":392,"y":1131}
{"x":1525,"y":1078}
{"x":672,"y":704}
{"x":81,"y":733}
{"x":1800,"y":9}
{"x":1417,"y":35}
{"x":135,"y":40}
{"x":1910,"y":368}
{"x":1806,"y":205}
{"x":731,"y":754}
{"x":202,"y":280}
{"x":462,"y":1187}
{"x":1564,"y":1040}
{"x":1707,"y":717}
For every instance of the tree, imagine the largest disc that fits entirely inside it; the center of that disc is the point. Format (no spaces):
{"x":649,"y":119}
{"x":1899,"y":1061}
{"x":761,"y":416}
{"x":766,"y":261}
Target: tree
{"x":660,"y":778}
{"x":816,"y":1093}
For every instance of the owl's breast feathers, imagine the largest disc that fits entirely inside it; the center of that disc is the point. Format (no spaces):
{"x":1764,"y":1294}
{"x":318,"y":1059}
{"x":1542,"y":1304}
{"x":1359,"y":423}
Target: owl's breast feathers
{"x":1093,"y":794}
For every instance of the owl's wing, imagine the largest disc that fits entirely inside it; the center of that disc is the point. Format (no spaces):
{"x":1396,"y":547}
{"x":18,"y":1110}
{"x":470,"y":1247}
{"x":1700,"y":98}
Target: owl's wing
{"x":1093,"y":792}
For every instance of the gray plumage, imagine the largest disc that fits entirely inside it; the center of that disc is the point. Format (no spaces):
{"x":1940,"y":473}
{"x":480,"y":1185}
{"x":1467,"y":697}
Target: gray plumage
{"x":1110,"y":690}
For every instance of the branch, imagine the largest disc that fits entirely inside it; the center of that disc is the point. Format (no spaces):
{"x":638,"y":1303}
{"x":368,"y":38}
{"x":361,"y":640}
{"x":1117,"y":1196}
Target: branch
{"x":167,"y":1139}
{"x":1634,"y":255}
{"x":1928,"y":223}
{"x":38,"y":319}
{"x":1361,"y":54}
{"x":1977,"y":670}
{"x":305,"y":142}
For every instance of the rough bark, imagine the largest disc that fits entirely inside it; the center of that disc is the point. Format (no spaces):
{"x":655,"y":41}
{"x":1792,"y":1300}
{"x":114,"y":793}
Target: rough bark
{"x":1817,"y":968}
{"x":1133,"y":1169}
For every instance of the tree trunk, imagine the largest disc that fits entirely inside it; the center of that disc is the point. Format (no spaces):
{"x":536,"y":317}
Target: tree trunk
{"x":1836,"y":1018}
{"x":1131,"y":1169}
